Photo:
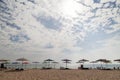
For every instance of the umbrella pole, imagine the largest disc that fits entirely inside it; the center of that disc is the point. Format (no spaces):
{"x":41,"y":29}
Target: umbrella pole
{"x":93,"y":66}
{"x":49,"y":65}
{"x":54,"y":66}
{"x":66,"y":64}
{"x":25,"y":66}
{"x":83,"y":64}
{"x":101,"y":65}
{"x":22,"y":64}
{"x":36,"y":66}
{"x":106,"y":65}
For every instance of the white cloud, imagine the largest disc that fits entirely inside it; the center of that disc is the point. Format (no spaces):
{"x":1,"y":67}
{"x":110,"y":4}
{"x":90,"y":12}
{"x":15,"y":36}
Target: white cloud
{"x":104,"y":1}
{"x":75,"y":26}
{"x":110,"y":50}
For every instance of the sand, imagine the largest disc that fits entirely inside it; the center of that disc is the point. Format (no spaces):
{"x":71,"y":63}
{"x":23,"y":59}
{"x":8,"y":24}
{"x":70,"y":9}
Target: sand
{"x":37,"y":74}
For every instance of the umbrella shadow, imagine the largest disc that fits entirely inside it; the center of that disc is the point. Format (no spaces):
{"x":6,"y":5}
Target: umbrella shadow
{"x":16,"y":70}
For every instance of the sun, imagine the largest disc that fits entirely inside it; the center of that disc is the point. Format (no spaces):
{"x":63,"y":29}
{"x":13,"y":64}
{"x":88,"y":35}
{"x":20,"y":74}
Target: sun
{"x":69,"y":8}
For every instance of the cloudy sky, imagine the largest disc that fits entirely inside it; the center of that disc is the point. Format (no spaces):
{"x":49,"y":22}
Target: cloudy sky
{"x":57,"y":29}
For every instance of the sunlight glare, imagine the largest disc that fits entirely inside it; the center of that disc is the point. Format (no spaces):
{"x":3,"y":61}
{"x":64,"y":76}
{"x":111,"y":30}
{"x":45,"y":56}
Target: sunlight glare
{"x":70,"y":8}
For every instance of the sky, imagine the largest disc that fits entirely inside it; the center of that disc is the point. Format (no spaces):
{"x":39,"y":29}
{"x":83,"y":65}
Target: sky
{"x":58,"y":29}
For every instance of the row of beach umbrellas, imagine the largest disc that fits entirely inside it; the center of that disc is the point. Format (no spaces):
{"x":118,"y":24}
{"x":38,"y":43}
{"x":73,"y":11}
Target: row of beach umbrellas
{"x":66,"y":61}
{"x":48,"y":62}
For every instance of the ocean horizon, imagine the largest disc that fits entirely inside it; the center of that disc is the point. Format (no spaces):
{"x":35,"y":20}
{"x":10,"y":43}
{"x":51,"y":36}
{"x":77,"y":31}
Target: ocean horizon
{"x":40,"y":66}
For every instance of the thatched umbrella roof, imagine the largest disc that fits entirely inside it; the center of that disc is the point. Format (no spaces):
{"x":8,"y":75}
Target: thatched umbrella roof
{"x":107,"y":61}
{"x":55,"y":62}
{"x":93,"y":62}
{"x":118,"y":60}
{"x":4,"y":60}
{"x":83,"y":60}
{"x":21,"y":59}
{"x":66,"y":61}
{"x":101,"y":60}
{"x":48,"y":61}
{"x":36,"y":62}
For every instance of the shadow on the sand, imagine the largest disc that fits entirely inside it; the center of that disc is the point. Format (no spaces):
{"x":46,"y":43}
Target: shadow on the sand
{"x":16,"y":70}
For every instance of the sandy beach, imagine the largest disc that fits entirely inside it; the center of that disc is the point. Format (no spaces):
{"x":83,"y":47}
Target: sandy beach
{"x":37,"y":74}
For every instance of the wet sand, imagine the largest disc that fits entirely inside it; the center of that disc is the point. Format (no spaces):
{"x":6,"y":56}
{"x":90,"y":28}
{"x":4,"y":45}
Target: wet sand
{"x":37,"y":74}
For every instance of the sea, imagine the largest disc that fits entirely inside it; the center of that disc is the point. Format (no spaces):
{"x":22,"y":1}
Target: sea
{"x":40,"y":66}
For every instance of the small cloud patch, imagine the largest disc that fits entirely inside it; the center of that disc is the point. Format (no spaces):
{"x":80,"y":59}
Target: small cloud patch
{"x":96,"y":1}
{"x":19,"y":38}
{"x":50,"y":22}
{"x":49,"y":45}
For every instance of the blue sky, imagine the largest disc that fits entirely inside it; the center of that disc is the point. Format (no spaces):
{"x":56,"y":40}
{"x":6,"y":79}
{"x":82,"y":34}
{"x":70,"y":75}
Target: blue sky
{"x":57,"y":29}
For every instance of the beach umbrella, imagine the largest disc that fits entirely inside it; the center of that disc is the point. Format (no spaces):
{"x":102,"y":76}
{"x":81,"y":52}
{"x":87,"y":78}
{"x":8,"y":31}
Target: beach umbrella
{"x":55,"y":64}
{"x":45,"y":63}
{"x":79,"y":62}
{"x":3,"y":61}
{"x":36,"y":63}
{"x":82,"y":61}
{"x":66,"y":61}
{"x":48,"y":60}
{"x":22,"y":60}
{"x":101,"y":60}
{"x":118,"y":60}
{"x":107,"y":61}
{"x":93,"y":62}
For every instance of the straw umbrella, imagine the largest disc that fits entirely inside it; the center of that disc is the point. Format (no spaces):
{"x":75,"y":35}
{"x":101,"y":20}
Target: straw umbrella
{"x":49,"y":61}
{"x":55,"y":64}
{"x":45,"y":64}
{"x":36,"y":64}
{"x":82,"y":61}
{"x":117,"y":60}
{"x":102,"y":61}
{"x":93,"y":63}
{"x":22,"y":60}
{"x":66,"y":61}
{"x":79,"y":63}
{"x":107,"y":61}
{"x":3,"y":61}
